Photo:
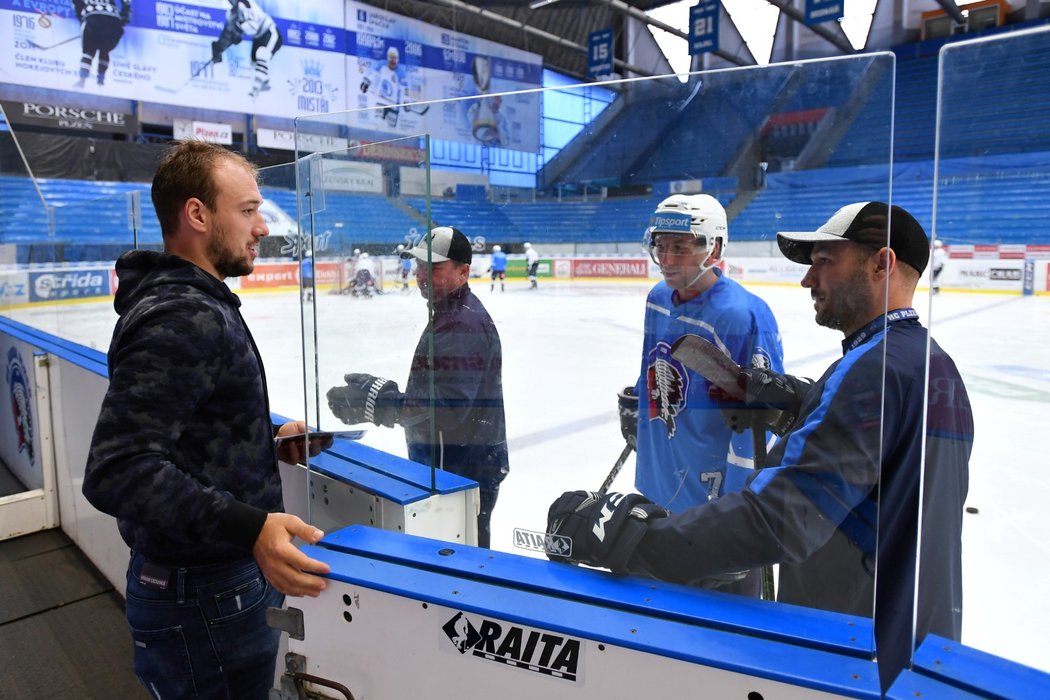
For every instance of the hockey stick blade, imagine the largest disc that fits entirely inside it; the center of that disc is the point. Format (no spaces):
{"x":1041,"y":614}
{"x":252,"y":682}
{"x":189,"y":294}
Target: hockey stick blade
{"x":704,"y":358}
{"x":616,"y":469}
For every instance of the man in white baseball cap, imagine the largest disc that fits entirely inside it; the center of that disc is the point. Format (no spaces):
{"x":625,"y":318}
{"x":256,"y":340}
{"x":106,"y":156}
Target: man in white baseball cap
{"x":467,"y":435}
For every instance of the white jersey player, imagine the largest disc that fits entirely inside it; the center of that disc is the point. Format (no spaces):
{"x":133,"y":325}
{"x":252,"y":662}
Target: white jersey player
{"x":532,"y":264}
{"x":687,"y":455}
{"x":248,"y":17}
{"x":938,"y":262}
{"x":386,"y":86}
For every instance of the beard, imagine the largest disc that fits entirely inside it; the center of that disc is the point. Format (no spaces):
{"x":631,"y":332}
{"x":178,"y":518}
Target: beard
{"x":845,"y":304}
{"x":227,"y":263}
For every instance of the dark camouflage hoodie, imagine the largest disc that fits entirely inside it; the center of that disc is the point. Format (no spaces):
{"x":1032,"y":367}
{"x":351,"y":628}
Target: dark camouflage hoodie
{"x":183,"y":452}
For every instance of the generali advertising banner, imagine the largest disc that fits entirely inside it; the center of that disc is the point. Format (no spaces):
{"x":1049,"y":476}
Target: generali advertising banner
{"x":285,"y":57}
{"x":610,"y":267}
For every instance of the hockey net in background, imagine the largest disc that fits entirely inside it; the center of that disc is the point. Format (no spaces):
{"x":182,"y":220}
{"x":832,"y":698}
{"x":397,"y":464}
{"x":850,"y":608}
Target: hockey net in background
{"x":347,"y":274}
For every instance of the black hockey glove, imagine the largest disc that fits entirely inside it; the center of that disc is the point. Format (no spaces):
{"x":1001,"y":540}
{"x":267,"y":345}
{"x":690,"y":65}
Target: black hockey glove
{"x":628,"y":403}
{"x":366,"y":399}
{"x":599,"y":530}
{"x":365,"y":83}
{"x":216,"y":52}
{"x":772,"y":401}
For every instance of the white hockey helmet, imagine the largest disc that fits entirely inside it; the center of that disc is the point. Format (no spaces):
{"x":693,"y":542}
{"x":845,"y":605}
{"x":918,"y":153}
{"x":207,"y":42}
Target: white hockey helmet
{"x":938,"y":243}
{"x":527,"y":245}
{"x":496,"y":249}
{"x":699,"y":214}
{"x":364,"y":256}
{"x":400,"y":247}
{"x":357,"y":251}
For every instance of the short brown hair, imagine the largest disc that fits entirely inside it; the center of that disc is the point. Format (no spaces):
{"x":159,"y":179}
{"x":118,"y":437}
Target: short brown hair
{"x":185,"y":171}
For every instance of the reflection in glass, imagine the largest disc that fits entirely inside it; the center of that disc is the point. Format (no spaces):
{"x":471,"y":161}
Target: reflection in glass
{"x":989,"y":223}
{"x":748,"y":139}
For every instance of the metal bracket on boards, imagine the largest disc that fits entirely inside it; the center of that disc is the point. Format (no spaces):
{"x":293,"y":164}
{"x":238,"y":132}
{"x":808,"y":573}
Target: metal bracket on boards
{"x":291,"y":686}
{"x":288,"y":620}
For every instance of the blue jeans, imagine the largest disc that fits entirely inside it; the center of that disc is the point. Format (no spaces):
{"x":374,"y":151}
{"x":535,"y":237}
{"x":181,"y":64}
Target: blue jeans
{"x":200,"y":632}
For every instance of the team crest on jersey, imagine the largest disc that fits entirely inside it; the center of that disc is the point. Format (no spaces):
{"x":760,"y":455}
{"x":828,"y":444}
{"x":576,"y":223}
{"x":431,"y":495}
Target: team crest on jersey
{"x":760,"y":359}
{"x":21,"y":405}
{"x":668,"y":384}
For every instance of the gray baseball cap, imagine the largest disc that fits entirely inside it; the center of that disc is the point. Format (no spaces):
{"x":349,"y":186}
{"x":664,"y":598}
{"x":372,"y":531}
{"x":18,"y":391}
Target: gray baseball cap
{"x":445,"y":243}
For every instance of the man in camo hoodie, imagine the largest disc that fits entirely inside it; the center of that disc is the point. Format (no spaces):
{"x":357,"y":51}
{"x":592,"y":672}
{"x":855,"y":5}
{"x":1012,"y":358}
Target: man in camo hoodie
{"x":183,"y":452}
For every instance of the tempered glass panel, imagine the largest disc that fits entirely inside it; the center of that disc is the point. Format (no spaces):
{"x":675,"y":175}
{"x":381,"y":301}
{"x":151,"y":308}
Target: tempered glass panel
{"x":365,"y":313}
{"x":24,"y":228}
{"x":990,"y":315}
{"x":58,"y":240}
{"x":781,"y":148}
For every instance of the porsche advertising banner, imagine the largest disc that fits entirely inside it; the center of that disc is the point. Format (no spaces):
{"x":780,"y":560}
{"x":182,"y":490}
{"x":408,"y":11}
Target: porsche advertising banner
{"x":277,"y":57}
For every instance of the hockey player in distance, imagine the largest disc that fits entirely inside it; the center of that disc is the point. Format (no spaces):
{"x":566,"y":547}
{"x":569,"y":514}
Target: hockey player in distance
{"x":102,"y":26}
{"x":248,"y":17}
{"x":938,"y":262}
{"x":386,"y":86}
{"x":687,"y":455}
{"x":404,"y":267}
{"x":532,"y":264}
{"x":364,"y":282}
{"x":498,"y":268}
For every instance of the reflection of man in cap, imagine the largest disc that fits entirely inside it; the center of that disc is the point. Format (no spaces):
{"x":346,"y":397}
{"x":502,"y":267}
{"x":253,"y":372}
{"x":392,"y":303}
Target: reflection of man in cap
{"x":868,"y":457}
{"x":467,"y":435}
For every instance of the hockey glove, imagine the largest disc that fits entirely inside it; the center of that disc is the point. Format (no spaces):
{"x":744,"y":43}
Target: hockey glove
{"x":772,"y":401}
{"x":599,"y":530}
{"x":366,"y":399}
{"x":216,"y":52}
{"x":628,"y":403}
{"x":365,"y":83}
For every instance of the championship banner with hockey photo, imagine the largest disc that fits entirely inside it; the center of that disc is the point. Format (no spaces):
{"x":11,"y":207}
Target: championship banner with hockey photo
{"x":394,"y":60}
{"x":283,"y":58}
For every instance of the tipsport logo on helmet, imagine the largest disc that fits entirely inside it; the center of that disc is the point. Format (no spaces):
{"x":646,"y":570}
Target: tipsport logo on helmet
{"x":21,"y":403}
{"x":532,"y":650}
{"x":671,"y":223}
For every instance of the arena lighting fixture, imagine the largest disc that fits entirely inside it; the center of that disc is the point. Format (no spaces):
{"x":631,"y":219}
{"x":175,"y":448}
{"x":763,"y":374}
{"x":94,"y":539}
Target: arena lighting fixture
{"x":536,"y":4}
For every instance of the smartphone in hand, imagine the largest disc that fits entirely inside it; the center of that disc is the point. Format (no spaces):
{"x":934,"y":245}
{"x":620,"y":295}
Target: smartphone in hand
{"x":323,"y":436}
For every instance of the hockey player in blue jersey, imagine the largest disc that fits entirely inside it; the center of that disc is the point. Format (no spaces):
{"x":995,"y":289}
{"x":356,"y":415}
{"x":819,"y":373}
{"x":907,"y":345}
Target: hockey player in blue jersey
{"x":878,"y":446}
{"x":687,"y":455}
{"x":498,"y":268}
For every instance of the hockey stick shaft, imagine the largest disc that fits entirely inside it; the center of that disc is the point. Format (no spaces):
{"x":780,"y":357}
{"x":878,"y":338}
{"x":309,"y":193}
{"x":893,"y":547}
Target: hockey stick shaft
{"x":628,"y":448}
{"x":190,"y":80}
{"x":758,"y":441}
{"x":48,"y":48}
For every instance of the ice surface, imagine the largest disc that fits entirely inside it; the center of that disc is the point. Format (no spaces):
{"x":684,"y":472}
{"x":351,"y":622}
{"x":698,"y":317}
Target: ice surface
{"x":570,"y":347}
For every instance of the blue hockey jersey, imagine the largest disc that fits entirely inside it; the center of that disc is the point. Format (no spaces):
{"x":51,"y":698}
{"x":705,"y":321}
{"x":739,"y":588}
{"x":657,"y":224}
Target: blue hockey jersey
{"x":686,"y":453}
